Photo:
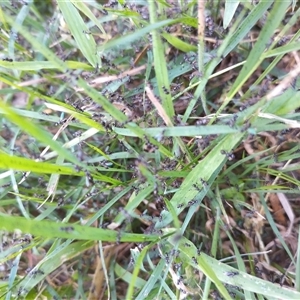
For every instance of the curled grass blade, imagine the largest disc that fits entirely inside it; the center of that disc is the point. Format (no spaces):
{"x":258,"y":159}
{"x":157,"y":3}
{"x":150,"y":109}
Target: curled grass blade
{"x":178,"y":43}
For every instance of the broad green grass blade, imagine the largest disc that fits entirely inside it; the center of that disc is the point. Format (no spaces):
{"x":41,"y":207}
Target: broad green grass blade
{"x":248,"y":282}
{"x":49,"y":229}
{"x":180,"y":131}
{"x":40,"y":65}
{"x":295,"y":46}
{"x":279,"y":53}
{"x":54,"y":104}
{"x":79,"y":30}
{"x":246,"y":25}
{"x":25,"y":164}
{"x":206,"y":169}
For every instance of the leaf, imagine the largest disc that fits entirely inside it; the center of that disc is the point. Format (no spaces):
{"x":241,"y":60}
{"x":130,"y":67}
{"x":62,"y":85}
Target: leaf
{"x":178,"y":43}
{"x":25,"y":164}
{"x":230,"y":8}
{"x":226,"y":274}
{"x":79,"y":30}
{"x":49,"y":229}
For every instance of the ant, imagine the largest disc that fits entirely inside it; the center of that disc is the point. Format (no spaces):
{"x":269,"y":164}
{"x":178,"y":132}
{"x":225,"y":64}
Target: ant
{"x":67,"y":229}
{"x":229,"y":154}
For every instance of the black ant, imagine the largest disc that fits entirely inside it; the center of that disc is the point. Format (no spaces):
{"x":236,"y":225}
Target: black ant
{"x":67,"y":229}
{"x":229,"y":154}
{"x":231,"y":273}
{"x":166,"y":91}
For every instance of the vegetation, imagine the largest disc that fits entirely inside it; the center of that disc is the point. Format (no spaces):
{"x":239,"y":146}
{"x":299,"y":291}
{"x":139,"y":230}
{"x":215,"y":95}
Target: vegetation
{"x":149,"y":149}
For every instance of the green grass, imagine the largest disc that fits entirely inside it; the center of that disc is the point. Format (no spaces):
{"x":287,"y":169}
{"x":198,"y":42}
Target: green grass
{"x":148,"y":152}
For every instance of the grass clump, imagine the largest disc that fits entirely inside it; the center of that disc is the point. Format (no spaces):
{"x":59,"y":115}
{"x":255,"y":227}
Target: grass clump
{"x":149,"y":149}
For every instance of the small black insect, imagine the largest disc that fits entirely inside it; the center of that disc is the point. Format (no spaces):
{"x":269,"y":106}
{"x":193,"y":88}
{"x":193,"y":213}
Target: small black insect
{"x":6,"y":185}
{"x":119,"y":235}
{"x":180,"y":279}
{"x":232,"y":121}
{"x":8,"y":59}
{"x":203,"y":182}
{"x":229,"y":154}
{"x":192,"y":202}
{"x":22,"y":291}
{"x":167,"y":258}
{"x":176,"y":87}
{"x":77,"y":168}
{"x":61,"y":122}
{"x":36,"y":273}
{"x":246,"y":126}
{"x":194,"y":260}
{"x":67,"y":229}
{"x":77,"y":107}
{"x":177,"y":266}
{"x":89,"y":177}
{"x":232,"y":273}
{"x":166,"y":91}
{"x":196,"y":187}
